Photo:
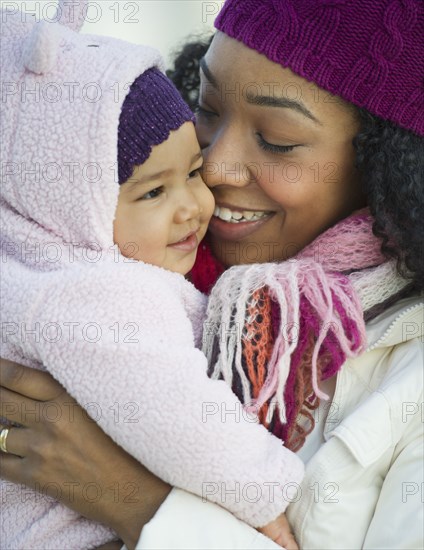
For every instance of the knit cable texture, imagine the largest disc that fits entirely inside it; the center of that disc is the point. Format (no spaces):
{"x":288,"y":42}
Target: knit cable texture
{"x":369,"y":52}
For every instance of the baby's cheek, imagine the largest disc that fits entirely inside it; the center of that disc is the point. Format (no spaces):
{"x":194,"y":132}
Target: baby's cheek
{"x":208,"y":206}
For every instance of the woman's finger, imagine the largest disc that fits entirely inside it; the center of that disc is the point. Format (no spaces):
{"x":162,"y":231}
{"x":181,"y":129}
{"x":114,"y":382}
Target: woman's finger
{"x":114,"y":545}
{"x":16,"y":408}
{"x":12,"y":468}
{"x":29,"y":382}
{"x":20,"y":410}
{"x":16,"y":441}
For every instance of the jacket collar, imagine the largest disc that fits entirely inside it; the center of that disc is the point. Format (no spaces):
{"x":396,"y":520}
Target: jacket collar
{"x":401,"y":322}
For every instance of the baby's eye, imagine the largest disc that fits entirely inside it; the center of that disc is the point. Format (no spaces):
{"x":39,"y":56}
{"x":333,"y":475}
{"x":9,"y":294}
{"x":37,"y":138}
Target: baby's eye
{"x":194,"y":173}
{"x":152,"y":194}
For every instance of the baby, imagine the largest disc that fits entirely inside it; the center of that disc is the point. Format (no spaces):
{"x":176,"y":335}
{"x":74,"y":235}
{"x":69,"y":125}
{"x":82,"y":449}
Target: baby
{"x":93,"y":285}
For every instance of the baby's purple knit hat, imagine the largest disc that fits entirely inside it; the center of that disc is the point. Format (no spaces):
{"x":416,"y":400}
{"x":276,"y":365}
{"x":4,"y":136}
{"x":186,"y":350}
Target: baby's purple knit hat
{"x":151,"y":110}
{"x":369,"y":52}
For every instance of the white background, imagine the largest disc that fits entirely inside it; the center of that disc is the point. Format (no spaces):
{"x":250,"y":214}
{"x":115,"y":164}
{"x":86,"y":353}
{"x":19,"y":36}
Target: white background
{"x":164,"y":24}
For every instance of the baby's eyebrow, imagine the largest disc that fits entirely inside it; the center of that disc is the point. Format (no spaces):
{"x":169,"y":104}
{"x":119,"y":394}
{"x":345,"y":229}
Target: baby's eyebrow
{"x":149,"y":178}
{"x":196,"y":157}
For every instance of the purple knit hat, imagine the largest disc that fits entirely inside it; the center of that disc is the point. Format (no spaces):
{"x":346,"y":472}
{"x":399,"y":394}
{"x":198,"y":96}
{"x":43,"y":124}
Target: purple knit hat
{"x":369,"y":52}
{"x":151,"y":110}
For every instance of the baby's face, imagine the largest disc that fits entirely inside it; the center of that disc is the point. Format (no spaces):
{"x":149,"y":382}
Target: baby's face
{"x":164,"y":208}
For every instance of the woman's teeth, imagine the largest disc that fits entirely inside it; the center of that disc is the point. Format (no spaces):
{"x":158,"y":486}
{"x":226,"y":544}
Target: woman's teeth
{"x":236,"y":217}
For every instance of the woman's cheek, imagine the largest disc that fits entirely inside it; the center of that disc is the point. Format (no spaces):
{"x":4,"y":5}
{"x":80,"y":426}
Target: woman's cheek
{"x":286,"y":193}
{"x":204,"y":133}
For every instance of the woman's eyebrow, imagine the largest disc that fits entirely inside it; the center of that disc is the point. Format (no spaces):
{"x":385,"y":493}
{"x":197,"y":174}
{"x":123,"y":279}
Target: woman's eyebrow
{"x":284,"y":102}
{"x":263,"y":100}
{"x":208,"y":74}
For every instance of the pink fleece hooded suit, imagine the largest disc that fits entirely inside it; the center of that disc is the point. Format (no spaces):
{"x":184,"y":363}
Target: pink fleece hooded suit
{"x":120,"y":335}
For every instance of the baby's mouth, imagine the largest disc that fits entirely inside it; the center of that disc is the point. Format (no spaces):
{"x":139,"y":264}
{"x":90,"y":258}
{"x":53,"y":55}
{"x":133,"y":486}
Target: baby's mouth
{"x":188,"y":243}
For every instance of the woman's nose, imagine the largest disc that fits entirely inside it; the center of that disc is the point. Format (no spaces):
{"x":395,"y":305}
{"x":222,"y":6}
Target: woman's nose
{"x":224,"y":161}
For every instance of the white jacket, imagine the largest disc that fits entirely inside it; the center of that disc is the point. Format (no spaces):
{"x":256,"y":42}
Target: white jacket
{"x":364,"y":481}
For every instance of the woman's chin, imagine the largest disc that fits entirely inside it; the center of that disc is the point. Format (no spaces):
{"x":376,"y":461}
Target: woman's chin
{"x":231,"y":253}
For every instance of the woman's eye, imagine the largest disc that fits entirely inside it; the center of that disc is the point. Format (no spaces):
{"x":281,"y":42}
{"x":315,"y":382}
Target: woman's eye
{"x":272,"y":148}
{"x":204,"y":113}
{"x":152,"y":194}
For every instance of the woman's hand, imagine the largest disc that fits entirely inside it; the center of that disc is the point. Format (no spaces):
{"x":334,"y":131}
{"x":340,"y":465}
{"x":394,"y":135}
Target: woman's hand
{"x":61,"y":452}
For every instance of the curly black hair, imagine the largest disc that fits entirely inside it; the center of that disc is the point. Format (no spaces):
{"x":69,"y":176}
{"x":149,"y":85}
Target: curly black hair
{"x":389,"y":159}
{"x":185,"y":73}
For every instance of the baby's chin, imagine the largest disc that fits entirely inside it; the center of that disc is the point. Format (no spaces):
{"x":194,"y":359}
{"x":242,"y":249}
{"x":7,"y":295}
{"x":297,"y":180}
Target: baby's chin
{"x":182,"y":266}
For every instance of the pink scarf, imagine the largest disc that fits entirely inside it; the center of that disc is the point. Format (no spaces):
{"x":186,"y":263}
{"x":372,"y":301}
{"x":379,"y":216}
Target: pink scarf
{"x":274,"y":331}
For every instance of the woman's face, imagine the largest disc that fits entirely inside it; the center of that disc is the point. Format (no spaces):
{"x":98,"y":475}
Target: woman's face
{"x":278,"y":155}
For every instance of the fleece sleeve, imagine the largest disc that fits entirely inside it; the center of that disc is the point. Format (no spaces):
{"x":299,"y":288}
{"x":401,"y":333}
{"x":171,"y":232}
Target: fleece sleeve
{"x":123,"y":348}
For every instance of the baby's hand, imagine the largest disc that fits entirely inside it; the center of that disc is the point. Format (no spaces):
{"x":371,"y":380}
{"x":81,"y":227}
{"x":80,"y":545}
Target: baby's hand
{"x":279,"y":531}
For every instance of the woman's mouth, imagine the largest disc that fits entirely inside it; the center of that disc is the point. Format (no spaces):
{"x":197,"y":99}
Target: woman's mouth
{"x":239,"y":216}
{"x":235,"y":224}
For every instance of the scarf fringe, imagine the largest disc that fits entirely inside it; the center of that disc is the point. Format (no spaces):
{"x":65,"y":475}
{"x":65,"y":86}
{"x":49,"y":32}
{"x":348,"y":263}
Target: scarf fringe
{"x":336,"y":311}
{"x":316,"y":295}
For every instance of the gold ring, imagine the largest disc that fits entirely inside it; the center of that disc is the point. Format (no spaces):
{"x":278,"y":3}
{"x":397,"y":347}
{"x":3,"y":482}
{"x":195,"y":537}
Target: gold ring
{"x":3,"y":436}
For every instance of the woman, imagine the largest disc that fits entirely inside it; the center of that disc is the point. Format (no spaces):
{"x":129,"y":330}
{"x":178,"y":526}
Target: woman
{"x":286,"y":90}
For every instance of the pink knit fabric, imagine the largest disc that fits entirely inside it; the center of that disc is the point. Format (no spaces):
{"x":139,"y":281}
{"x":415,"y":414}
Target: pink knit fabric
{"x":313,"y":293}
{"x":206,"y":269}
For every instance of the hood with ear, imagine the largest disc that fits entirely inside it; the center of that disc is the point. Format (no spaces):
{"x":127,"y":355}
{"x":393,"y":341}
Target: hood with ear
{"x":62,"y":94}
